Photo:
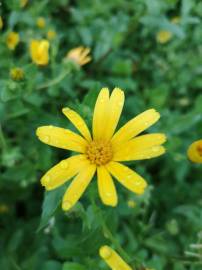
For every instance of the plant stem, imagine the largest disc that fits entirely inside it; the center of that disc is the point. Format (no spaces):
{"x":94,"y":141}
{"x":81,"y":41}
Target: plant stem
{"x":54,"y":81}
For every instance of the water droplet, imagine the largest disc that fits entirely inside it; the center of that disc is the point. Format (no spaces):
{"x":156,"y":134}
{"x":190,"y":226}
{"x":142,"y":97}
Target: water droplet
{"x":120,"y":104}
{"x":45,"y":139}
{"x":105,"y":252}
{"x":66,"y":205}
{"x":46,"y":179}
{"x":56,"y":141}
{"x":64,"y":164}
{"x":138,"y":183}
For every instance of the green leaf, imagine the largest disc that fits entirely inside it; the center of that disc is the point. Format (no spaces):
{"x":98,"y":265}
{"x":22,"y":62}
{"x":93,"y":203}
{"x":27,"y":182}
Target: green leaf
{"x":73,"y":266}
{"x":52,"y":199}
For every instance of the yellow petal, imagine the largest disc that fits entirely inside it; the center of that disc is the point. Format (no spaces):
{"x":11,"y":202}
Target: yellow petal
{"x":112,"y":259}
{"x":63,"y":171}
{"x":116,"y":103}
{"x":78,"y":186}
{"x":61,"y":138}
{"x":142,"y":147}
{"x":127,"y":177}
{"x":106,"y":187}
{"x":135,"y":126}
{"x":195,"y":151}
{"x":85,"y":52}
{"x":86,"y":60}
{"x":100,"y":114}
{"x":78,"y":122}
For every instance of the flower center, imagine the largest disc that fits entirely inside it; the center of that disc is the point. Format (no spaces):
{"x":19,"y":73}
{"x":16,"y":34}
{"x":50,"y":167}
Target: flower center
{"x":199,"y":149}
{"x":99,"y":152}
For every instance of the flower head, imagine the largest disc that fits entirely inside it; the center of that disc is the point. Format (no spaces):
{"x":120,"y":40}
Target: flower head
{"x":195,"y":151}
{"x":103,"y":151}
{"x":40,"y":22}
{"x":51,"y":34}
{"x":112,"y":259}
{"x":12,"y":40}
{"x":23,"y":3}
{"x":1,"y":23}
{"x":39,"y":51}
{"x":17,"y":74}
{"x":163,"y":36}
{"x":176,"y":20}
{"x":79,"y":55}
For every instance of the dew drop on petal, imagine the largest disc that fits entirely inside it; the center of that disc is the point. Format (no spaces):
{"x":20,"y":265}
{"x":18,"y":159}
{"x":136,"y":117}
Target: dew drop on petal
{"x":46,"y":179}
{"x":45,"y":139}
{"x":64,"y":164}
{"x":106,"y":252}
{"x":66,"y":205}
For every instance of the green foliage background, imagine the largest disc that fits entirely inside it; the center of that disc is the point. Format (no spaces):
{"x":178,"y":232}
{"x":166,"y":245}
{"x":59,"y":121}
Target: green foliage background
{"x":157,"y":233}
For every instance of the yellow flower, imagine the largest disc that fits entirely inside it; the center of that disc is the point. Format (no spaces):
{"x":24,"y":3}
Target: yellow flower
{"x":12,"y":40}
{"x":195,"y":151}
{"x":23,"y":3}
{"x":4,"y":208}
{"x":103,"y":151}
{"x":17,"y":74}
{"x":51,"y":34}
{"x":1,"y":23}
{"x":41,"y":23}
{"x":39,"y":51}
{"x":79,"y":55}
{"x":163,"y":36}
{"x":131,"y":204}
{"x":112,"y":259}
{"x":175,"y":20}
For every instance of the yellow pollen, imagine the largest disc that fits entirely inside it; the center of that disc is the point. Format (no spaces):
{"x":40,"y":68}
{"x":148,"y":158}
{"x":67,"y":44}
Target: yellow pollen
{"x":199,"y":149}
{"x":99,"y":152}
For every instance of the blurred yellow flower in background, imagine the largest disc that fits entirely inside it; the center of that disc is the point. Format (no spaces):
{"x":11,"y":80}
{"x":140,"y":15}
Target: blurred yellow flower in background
{"x":40,"y":22}
{"x":12,"y":40}
{"x":164,"y":36}
{"x":176,"y":20}
{"x":112,"y":259}
{"x":23,"y":3}
{"x":39,"y":51}
{"x":3,"y":208}
{"x":195,"y":151}
{"x":1,"y":23}
{"x":79,"y":55}
{"x":17,"y":74}
{"x":51,"y":34}
{"x":131,"y":204}
{"x":103,"y":151}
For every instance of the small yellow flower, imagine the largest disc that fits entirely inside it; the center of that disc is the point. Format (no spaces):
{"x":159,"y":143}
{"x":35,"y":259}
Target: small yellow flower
{"x":195,"y":151}
{"x":51,"y":34}
{"x":39,"y":51}
{"x":23,"y":3}
{"x":103,"y":151}
{"x":41,"y":23}
{"x":1,"y":23}
{"x":3,"y":208}
{"x":12,"y":40}
{"x":17,"y":74}
{"x":112,"y":259}
{"x":131,"y":204}
{"x":163,"y":36}
{"x":176,"y":20}
{"x":79,"y":55}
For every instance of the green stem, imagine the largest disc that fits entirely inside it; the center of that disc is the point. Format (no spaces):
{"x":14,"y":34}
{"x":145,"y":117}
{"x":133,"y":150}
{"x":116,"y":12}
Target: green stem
{"x":115,"y":243}
{"x":2,"y":139}
{"x":54,"y":81}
